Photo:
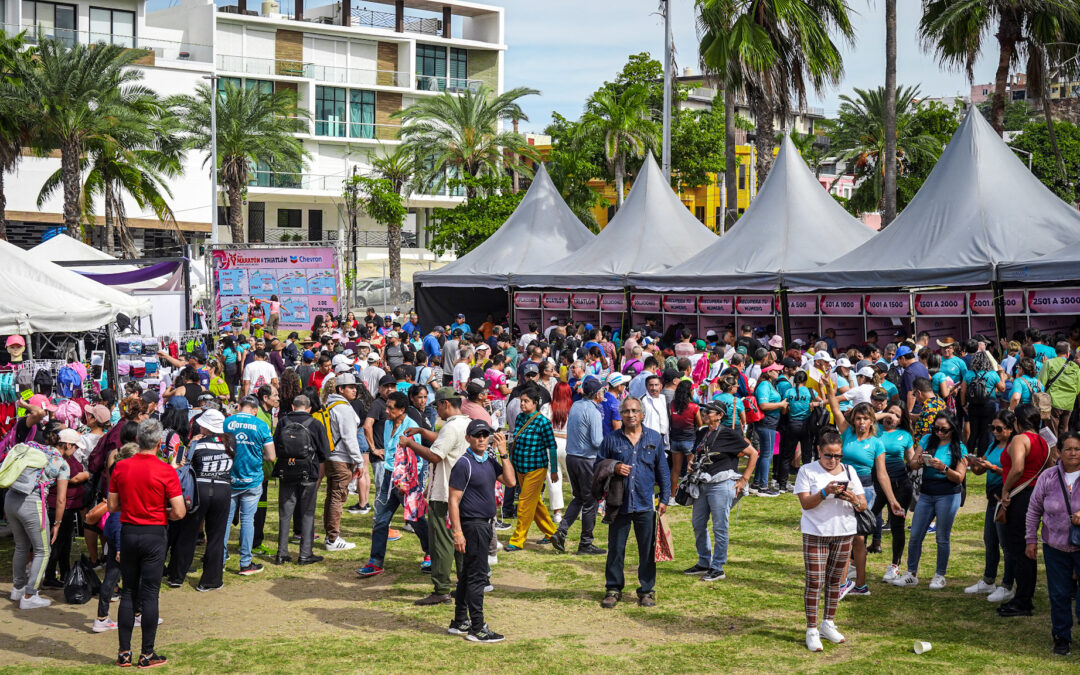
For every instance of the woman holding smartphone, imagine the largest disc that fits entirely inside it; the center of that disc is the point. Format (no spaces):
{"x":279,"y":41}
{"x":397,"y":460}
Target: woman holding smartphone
{"x":829,"y":496}
{"x":940,"y":454}
{"x":1001,"y":428}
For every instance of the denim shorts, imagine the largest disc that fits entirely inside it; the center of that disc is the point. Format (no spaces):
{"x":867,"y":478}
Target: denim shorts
{"x":682,"y":447}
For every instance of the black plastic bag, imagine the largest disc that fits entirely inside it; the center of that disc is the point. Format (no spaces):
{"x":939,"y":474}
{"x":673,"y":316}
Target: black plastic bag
{"x":77,"y":586}
{"x":91,"y":575}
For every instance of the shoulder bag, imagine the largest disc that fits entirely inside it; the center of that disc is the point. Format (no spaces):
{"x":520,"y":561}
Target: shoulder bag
{"x":1074,"y":529}
{"x":864,"y":520}
{"x":999,"y":511}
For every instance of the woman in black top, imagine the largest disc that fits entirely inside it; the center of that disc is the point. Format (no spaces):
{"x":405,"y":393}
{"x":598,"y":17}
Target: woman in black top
{"x":714,"y":471}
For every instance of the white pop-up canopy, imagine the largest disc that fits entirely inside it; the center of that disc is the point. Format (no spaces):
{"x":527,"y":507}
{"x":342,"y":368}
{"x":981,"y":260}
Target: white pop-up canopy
{"x":41,"y":297}
{"x":650,"y":233}
{"x":792,"y":224}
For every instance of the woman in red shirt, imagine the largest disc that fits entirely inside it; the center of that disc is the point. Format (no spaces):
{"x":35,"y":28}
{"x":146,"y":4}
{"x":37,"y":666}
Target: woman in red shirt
{"x":1021,"y":464}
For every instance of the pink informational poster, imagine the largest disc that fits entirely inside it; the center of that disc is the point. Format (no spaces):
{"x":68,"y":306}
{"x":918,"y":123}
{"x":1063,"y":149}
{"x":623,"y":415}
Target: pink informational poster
{"x":305,"y":280}
{"x":1054,"y":301}
{"x":841,"y":304}
{"x":613,"y":302}
{"x":526,"y":300}
{"x":801,"y":305}
{"x":754,"y":305}
{"x":645,"y":303}
{"x":680,"y":304}
{"x":982,"y":302}
{"x":887,"y":304}
{"x":556,"y":301}
{"x":716,"y":305}
{"x":941,"y":304}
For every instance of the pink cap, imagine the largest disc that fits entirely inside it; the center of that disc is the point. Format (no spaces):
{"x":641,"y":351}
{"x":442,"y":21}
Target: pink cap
{"x":42,"y":401}
{"x":772,"y":367}
{"x":16,"y":340}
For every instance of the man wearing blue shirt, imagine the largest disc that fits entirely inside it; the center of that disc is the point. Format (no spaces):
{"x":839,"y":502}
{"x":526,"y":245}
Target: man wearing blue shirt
{"x":951,"y":365}
{"x":584,"y":435}
{"x":254,"y":444}
{"x":412,"y":324}
{"x":639,"y":453}
{"x":431,"y":343}
{"x":459,"y":323}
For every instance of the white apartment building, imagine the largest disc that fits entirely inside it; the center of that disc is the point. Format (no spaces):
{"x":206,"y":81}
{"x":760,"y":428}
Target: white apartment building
{"x":351,"y":65}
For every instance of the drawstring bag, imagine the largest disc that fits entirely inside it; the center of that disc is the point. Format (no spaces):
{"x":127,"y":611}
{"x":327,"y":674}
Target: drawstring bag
{"x":665,"y":541}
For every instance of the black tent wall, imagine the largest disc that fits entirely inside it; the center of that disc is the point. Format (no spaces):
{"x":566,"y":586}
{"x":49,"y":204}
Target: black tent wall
{"x":440,"y":304}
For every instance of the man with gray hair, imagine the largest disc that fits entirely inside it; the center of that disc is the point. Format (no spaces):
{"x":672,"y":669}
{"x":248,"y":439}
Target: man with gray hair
{"x":144,"y":493}
{"x":302,"y":445}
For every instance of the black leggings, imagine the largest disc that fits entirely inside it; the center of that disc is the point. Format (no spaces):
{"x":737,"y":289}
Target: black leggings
{"x":142,"y":561}
{"x":182,"y":536}
{"x":60,"y":554}
{"x":214,"y":510}
{"x":979,"y":419}
{"x":791,"y":435}
{"x":897,"y":524}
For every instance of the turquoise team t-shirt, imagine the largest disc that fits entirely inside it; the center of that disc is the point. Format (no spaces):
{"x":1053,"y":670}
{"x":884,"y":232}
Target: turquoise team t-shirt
{"x":1025,"y":385}
{"x":765,"y":392}
{"x":934,"y":481}
{"x":896,"y":444}
{"x":861,"y":454}
{"x":955,"y":368}
{"x":988,"y":377}
{"x":251,"y":434}
{"x":891,"y":388}
{"x":799,"y":399}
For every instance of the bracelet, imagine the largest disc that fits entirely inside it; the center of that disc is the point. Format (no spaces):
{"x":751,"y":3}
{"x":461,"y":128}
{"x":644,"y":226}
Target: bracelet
{"x":824,"y":495}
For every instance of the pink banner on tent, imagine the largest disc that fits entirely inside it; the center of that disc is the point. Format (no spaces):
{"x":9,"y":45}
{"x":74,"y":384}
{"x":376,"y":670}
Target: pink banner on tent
{"x":1054,"y":301}
{"x":841,"y":305}
{"x":801,"y":305}
{"x":556,"y":300}
{"x":613,"y":302}
{"x":585,"y":301}
{"x":982,"y":302}
{"x":754,"y":305}
{"x":645,"y":302}
{"x":527,"y":300}
{"x":941,"y":304}
{"x":714,"y":305}
{"x":888,"y":304}
{"x":680,"y":304}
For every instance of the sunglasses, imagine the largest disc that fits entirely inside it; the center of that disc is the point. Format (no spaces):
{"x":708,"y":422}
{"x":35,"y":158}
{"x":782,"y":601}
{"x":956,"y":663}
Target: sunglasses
{"x":997,"y":427}
{"x":482,"y":434}
{"x":832,"y":456}
{"x":942,"y":430}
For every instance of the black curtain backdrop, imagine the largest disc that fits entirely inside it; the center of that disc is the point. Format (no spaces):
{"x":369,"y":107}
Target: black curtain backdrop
{"x":440,"y":304}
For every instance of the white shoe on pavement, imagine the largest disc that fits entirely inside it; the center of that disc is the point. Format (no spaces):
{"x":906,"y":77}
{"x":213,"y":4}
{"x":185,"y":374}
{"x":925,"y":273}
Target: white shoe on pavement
{"x":813,"y":640}
{"x":35,"y":601}
{"x":16,"y":594}
{"x":829,"y":632}
{"x":937,"y":583}
{"x":980,"y":587}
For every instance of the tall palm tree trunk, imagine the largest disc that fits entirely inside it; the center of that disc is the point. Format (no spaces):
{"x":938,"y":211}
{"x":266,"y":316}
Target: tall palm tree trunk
{"x":110,"y":223}
{"x":236,"y":212}
{"x":731,"y":167}
{"x":70,"y":174}
{"x":620,"y":178}
{"x":1007,"y":36}
{"x":1050,"y":130}
{"x":393,"y":241}
{"x":889,"y":212}
{"x":3,"y":209}
{"x":766,"y":135}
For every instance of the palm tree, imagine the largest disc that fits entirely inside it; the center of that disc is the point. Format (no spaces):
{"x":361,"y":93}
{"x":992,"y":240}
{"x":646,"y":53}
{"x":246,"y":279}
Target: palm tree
{"x":570,"y":167}
{"x":858,"y":138}
{"x":955,"y":31}
{"x":78,"y":94}
{"x":889,"y":211}
{"x":253,"y":126}
{"x":775,"y":50}
{"x":458,"y":134}
{"x":14,"y":127}
{"x":718,"y":14}
{"x":623,"y":122}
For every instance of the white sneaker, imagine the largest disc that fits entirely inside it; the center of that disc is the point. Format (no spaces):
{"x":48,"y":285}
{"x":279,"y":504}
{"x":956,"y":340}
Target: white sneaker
{"x":671,"y":502}
{"x":980,"y":587}
{"x":891,"y":573}
{"x":34,"y":601}
{"x":907,"y":579}
{"x":489,"y":588}
{"x":829,"y":632}
{"x":813,"y":640}
{"x":1001,"y":594}
{"x":937,"y":583}
{"x":16,"y":594}
{"x":557,"y":517}
{"x":138,"y":621}
{"x":498,"y":545}
{"x":103,"y":625}
{"x":493,"y":560}
{"x":339,"y":544}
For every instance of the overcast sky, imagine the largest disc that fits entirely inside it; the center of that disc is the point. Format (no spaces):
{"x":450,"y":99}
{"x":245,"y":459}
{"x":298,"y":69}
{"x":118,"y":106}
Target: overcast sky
{"x":567,"y":48}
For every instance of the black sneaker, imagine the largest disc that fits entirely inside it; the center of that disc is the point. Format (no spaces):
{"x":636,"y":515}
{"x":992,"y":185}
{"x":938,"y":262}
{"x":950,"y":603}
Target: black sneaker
{"x":309,"y":561}
{"x":485,"y":634}
{"x":1062,"y":646}
{"x":502,"y":525}
{"x":206,"y":589}
{"x":874,"y":547}
{"x":123,"y":659}
{"x":355,"y":508}
{"x":152,"y":661}
{"x":768,"y":492}
{"x":173,"y":584}
{"x":282,"y":559}
{"x":253,"y":568}
{"x":459,"y":627}
{"x":695,"y":570}
{"x":714,"y":575}
{"x":591,"y":550}
{"x":558,"y":541}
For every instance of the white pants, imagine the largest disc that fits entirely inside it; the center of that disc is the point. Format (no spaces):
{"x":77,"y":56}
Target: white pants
{"x":555,"y":490}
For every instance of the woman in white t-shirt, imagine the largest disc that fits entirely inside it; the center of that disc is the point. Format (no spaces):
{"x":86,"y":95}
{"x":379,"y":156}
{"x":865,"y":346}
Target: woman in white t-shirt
{"x":830,"y":495}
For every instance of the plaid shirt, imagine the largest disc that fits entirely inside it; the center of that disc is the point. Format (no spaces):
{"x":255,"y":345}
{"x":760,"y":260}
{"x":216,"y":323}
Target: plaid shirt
{"x":534,"y":444}
{"x":923,"y":424}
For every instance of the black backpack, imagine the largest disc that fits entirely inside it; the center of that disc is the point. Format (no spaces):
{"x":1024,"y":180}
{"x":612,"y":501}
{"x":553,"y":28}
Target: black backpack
{"x":977,"y":395}
{"x":893,"y":375}
{"x":297,"y":449}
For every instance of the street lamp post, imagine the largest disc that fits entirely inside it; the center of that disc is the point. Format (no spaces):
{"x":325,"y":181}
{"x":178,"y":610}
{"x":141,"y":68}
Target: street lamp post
{"x":213,"y":78}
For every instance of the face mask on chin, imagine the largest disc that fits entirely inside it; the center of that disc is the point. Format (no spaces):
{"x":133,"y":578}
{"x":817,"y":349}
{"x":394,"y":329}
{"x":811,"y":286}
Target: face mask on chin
{"x":479,"y":458}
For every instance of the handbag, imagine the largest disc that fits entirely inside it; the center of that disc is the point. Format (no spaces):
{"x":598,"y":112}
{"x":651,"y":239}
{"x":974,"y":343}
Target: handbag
{"x":1074,"y":529}
{"x":94,"y":515}
{"x":864,"y":520}
{"x":665,"y":542}
{"x":999,"y":510}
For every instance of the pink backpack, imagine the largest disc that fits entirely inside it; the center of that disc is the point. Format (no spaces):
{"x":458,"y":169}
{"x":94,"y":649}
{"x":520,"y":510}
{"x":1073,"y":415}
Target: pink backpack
{"x":68,"y":412}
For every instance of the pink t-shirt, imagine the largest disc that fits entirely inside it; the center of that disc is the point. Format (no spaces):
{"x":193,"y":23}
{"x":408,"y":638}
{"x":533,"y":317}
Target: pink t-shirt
{"x":496,"y":380}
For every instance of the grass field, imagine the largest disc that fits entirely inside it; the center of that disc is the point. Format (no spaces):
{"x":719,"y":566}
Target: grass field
{"x":322,"y":618}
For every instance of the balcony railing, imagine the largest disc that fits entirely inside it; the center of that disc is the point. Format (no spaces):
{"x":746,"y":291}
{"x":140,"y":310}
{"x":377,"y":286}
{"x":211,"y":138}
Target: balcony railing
{"x":335,"y":74}
{"x":162,"y":49}
{"x":454,"y":84}
{"x":276,"y":180}
{"x":356,"y":130}
{"x":411,"y":24}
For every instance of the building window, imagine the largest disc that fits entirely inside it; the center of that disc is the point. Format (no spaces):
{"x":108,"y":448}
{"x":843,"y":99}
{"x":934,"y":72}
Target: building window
{"x":459,"y":69}
{"x":329,"y":111}
{"x":430,"y":67}
{"x":289,"y":218}
{"x":112,"y":26}
{"x":52,"y":19}
{"x":264,"y":86}
{"x":361,"y":114}
{"x":699,"y":213}
{"x":742,"y":176}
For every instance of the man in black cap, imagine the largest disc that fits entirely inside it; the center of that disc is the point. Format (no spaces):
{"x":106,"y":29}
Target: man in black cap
{"x":472,"y":508}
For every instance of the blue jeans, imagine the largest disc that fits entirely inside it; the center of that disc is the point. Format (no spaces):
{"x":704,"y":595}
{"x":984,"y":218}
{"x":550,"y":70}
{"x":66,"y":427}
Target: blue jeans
{"x":362,"y":440}
{"x":644,"y":525}
{"x":715,"y":500}
{"x":387,"y":501}
{"x":1060,"y":567}
{"x":767,"y":440}
{"x":248,"y":501}
{"x":430,"y":414}
{"x":929,"y":507}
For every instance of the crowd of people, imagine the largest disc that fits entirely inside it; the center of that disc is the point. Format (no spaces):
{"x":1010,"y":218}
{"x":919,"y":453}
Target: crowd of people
{"x":463,"y":430}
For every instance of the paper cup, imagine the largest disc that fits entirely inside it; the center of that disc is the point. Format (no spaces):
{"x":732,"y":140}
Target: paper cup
{"x":921,"y":647}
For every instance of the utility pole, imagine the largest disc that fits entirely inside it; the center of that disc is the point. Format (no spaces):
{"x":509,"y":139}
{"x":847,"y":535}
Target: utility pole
{"x":665,"y":160}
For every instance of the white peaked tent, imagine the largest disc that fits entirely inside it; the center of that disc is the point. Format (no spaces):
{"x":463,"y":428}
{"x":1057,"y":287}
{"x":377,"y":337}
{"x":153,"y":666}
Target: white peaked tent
{"x":62,"y":248}
{"x":41,"y":297}
{"x":652,"y":232}
{"x":978,"y":208}
{"x":541,"y":229}
{"x":792,"y":224}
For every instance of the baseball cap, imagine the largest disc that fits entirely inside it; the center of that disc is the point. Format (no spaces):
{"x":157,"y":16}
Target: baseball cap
{"x":700,"y":344}
{"x":387,"y":381}
{"x":615,"y":379}
{"x":250,"y":401}
{"x":741,"y":349}
{"x":447,"y":394}
{"x":98,"y":412}
{"x":213,"y":421}
{"x":879,"y":394}
{"x":372,"y":357}
{"x":789,"y":362}
{"x":42,"y":401}
{"x":460,"y":316}
{"x":437,"y":329}
{"x":475,"y":386}
{"x":588,"y":326}
{"x":348,"y":352}
{"x":772,"y":367}
{"x":16,"y":340}
{"x":342,"y":368}
{"x":866,"y":371}
{"x":903,"y":351}
{"x":530,"y":369}
{"x":151,"y":396}
{"x":881,"y":367}
{"x":392,"y":334}
{"x":798,"y":342}
{"x":341,"y":359}
{"x":345,"y":380}
{"x":670,"y":375}
{"x":73,"y":437}
{"x":482,"y":347}
{"x":308,"y":355}
{"x":843,"y":362}
{"x":710,"y":333}
{"x":824,"y":356}
{"x":477,"y":427}
{"x":590,"y":386}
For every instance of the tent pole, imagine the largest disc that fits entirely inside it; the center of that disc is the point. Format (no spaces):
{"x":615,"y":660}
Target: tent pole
{"x":512,"y":313}
{"x":785,"y":318}
{"x":111,"y":366}
{"x":187,"y":294}
{"x":999,"y":309}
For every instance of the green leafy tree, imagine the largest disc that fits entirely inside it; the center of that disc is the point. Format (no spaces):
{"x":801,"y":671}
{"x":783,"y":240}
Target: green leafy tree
{"x":1036,"y":140}
{"x":956,"y":29}
{"x":1016,"y":117}
{"x":697,"y":145}
{"x":624,"y":126}
{"x":383,"y":202}
{"x":468,"y":225}
{"x":458,"y":134}
{"x":14,"y":122}
{"x":253,"y":127}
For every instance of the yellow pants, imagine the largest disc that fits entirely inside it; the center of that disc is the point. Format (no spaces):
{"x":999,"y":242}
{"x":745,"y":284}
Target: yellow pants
{"x":531,"y":507}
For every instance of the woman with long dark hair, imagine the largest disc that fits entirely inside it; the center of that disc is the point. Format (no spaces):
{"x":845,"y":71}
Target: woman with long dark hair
{"x":941,"y":456}
{"x":685,"y":420}
{"x":800,"y":400}
{"x":233,"y":355}
{"x":289,"y":387}
{"x":978,"y":395}
{"x":989,"y":463}
{"x":1024,"y":384}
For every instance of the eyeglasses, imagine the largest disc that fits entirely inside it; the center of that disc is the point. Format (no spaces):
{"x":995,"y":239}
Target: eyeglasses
{"x":832,"y":456}
{"x":942,"y":430}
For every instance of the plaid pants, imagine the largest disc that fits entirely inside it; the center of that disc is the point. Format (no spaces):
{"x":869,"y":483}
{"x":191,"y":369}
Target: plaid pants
{"x":825,"y":559}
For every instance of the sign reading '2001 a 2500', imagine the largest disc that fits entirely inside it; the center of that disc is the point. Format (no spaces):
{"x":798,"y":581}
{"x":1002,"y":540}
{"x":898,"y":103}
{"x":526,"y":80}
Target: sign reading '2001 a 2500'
{"x":305,"y":281}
